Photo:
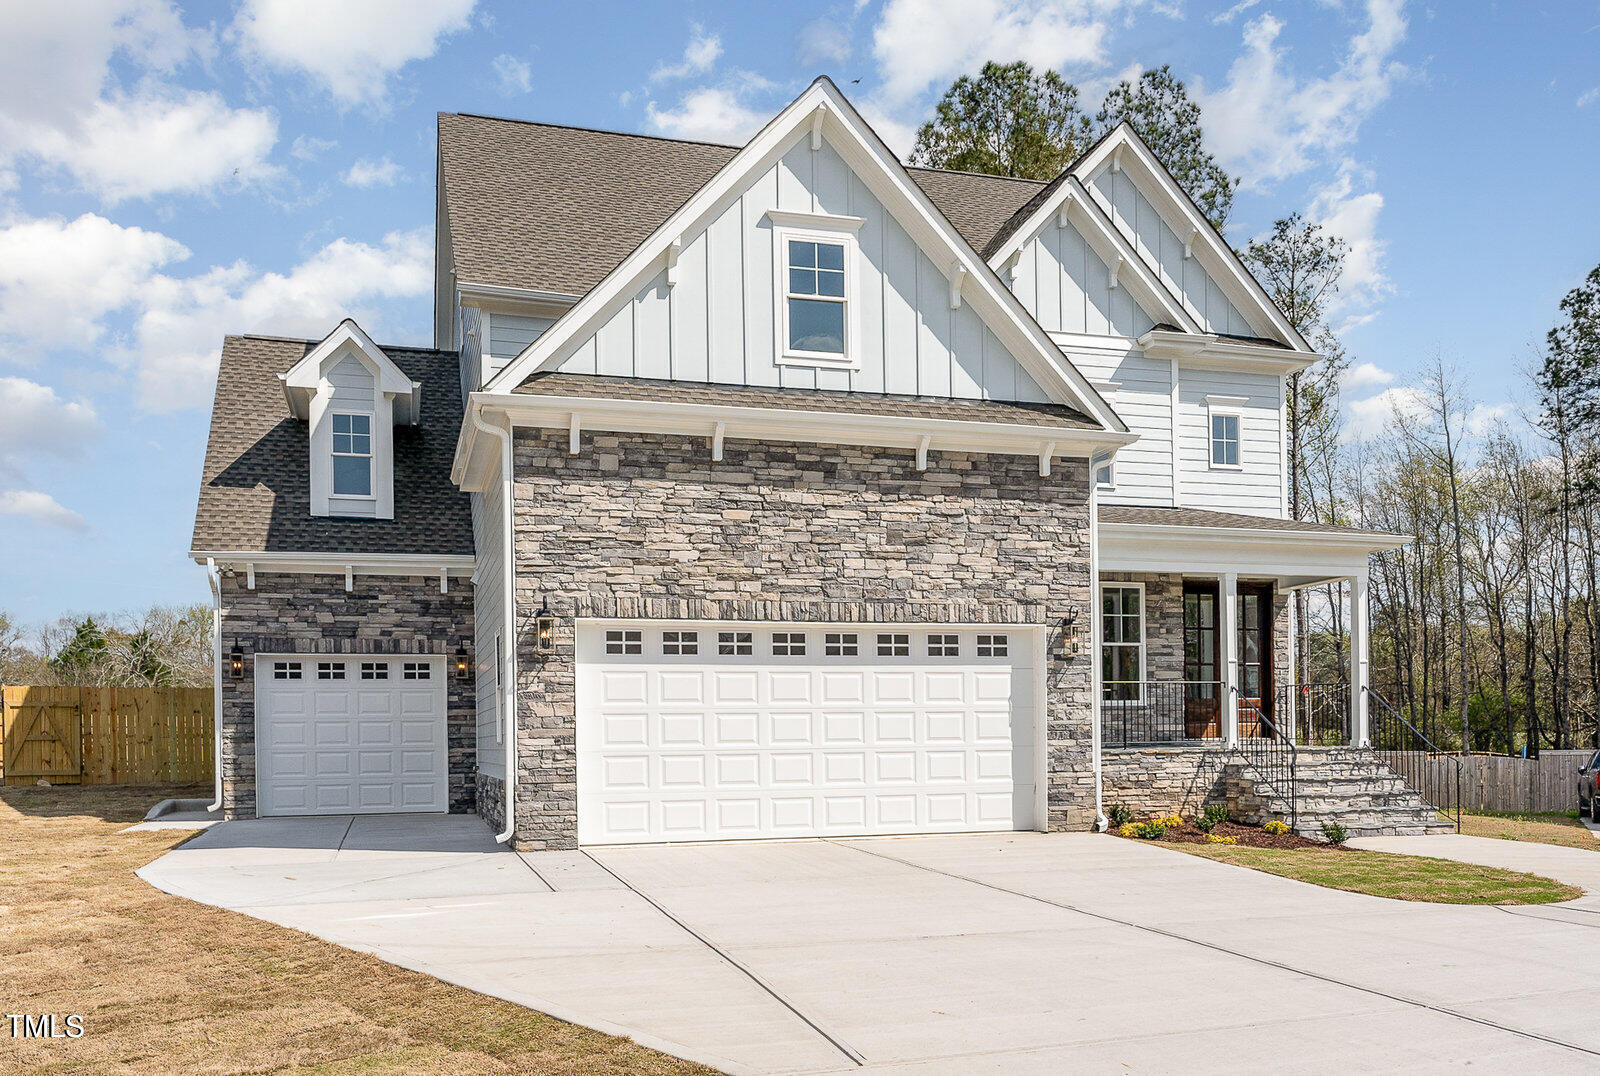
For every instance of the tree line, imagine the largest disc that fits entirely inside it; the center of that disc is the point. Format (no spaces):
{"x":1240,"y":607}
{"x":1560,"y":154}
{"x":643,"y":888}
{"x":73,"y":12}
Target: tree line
{"x":1486,"y":627}
{"x":164,"y":646}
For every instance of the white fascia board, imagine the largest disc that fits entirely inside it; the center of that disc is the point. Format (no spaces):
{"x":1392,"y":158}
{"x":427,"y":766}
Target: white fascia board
{"x":304,"y":378}
{"x":878,"y":167}
{"x":1174,"y":203}
{"x":1139,"y":547}
{"x":773,"y":424}
{"x":473,"y":294}
{"x":1211,"y":352}
{"x":423,"y":564}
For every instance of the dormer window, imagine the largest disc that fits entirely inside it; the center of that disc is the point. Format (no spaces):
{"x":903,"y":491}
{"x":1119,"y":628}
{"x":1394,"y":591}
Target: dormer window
{"x":814,"y":281}
{"x":352,"y":455}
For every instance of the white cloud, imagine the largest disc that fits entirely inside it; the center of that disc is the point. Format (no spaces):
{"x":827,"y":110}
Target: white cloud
{"x":1234,"y":12}
{"x":1266,"y":123}
{"x":62,"y":105}
{"x":40,"y":423}
{"x":1366,"y":375}
{"x":366,"y":173}
{"x":699,"y":55}
{"x":1588,"y":97}
{"x":709,"y":114}
{"x":1348,"y":207}
{"x":1373,"y":416}
{"x":351,"y":48}
{"x":40,"y":508}
{"x":513,"y":75}
{"x":1483,"y":418}
{"x":307,"y":148}
{"x":90,"y":284}
{"x":924,"y":44}
{"x":822,"y":41}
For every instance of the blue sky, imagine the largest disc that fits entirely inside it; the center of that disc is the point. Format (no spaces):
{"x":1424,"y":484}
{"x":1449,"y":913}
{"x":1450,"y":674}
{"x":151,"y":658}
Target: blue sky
{"x":169,"y":174}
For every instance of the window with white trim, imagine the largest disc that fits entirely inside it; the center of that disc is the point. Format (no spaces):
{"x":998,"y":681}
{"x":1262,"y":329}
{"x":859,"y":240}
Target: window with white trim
{"x":680,"y":643}
{"x":789,"y":644}
{"x":374,"y":670}
{"x":352,"y":454}
{"x":286,"y":670}
{"x":894,"y":645}
{"x":841,"y":644}
{"x":992,"y":646}
{"x":735,"y":643}
{"x":625,"y":642}
{"x":1103,"y":467}
{"x":330,"y":670}
{"x":416,"y":670}
{"x":1224,"y":424}
{"x":944,"y":646}
{"x":1122,"y":641}
{"x":814,"y":289}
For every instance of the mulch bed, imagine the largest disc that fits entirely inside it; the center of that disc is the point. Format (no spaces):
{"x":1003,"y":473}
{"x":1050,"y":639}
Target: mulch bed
{"x":1248,"y":836}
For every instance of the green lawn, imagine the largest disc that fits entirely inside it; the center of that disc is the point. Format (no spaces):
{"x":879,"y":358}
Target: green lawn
{"x":1563,"y":829}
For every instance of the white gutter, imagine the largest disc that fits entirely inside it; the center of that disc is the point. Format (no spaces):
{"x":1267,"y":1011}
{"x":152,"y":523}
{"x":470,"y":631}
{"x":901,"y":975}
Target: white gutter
{"x":508,"y":577}
{"x":1101,"y":823}
{"x":216,"y":679}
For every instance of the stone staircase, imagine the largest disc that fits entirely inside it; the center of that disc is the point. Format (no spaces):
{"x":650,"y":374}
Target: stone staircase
{"x":1347,"y":785}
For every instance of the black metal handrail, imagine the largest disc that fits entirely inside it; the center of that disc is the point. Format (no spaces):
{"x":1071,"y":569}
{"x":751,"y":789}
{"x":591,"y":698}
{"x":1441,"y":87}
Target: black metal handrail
{"x":1431,"y":772}
{"x":1271,"y":754}
{"x":1153,"y":713}
{"x":1317,"y":715}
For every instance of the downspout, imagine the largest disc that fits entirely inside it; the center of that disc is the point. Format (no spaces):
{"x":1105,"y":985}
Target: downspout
{"x":215,"y":580}
{"x":508,"y":579}
{"x":1101,"y":824}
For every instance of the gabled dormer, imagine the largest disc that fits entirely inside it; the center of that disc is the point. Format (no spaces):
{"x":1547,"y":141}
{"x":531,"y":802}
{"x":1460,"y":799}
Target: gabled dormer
{"x":352,"y":395}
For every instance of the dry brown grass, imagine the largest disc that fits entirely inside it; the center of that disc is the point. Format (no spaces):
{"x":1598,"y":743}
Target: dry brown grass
{"x":1541,"y":829}
{"x":165,"y":985}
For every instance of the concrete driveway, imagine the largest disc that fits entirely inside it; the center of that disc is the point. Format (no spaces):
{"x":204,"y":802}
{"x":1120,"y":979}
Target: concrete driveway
{"x":1012,"y":953}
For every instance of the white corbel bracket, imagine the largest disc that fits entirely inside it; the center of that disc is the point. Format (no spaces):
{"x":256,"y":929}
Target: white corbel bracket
{"x":1188,"y":243}
{"x":349,"y":578}
{"x":1014,"y":266}
{"x":922,"y":451}
{"x":444,"y":580}
{"x":1116,"y":272}
{"x":674,"y":248}
{"x":1116,"y":160}
{"x":816,"y":128}
{"x":250,"y":575}
{"x":1045,"y":455}
{"x":716,"y":441}
{"x":574,"y":431}
{"x":958,"y":277}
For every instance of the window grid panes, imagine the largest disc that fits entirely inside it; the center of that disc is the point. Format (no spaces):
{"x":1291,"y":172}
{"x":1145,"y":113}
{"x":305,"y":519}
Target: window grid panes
{"x":893,"y":645}
{"x":992,"y":646}
{"x":352,"y":455}
{"x":286,"y":670}
{"x":1122,"y":642}
{"x":625,"y":642}
{"x":1225,"y":440}
{"x":735,"y":643}
{"x":841,"y":644}
{"x":944,"y":646}
{"x":374,"y":670}
{"x":816,"y":296}
{"x":417,"y":670}
{"x":788,"y":644}
{"x":330,"y":670}
{"x":679,"y":643}
{"x":1101,"y":465}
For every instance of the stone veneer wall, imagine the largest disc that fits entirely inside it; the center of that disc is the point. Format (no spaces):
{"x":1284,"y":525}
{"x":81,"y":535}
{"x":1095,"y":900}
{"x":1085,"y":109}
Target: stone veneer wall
{"x":644,"y":525}
{"x":1154,"y":781}
{"x":312,"y":614}
{"x":491,"y":797}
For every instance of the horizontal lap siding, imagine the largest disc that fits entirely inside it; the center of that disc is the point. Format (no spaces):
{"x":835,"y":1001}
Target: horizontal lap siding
{"x":488,"y":531}
{"x":1257,"y":489}
{"x":509,"y":334}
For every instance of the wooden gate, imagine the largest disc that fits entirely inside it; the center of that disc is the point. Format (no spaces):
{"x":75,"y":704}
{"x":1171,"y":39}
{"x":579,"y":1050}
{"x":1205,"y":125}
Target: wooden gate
{"x":106,"y":735}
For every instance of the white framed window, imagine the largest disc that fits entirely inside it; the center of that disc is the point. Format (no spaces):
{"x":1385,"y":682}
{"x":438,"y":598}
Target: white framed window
{"x":993,"y":646}
{"x":680,"y":643}
{"x":330,"y":670}
{"x":789,"y":644}
{"x":1224,"y":425}
{"x":894,"y":645}
{"x":416,"y":670}
{"x":815,"y":259}
{"x":286,"y":670}
{"x":374,"y":670}
{"x":944,"y":646}
{"x":352,"y":454}
{"x":841,"y":644}
{"x":1103,"y":468}
{"x":625,"y":642}
{"x":735,"y":643}
{"x":1122,"y":641}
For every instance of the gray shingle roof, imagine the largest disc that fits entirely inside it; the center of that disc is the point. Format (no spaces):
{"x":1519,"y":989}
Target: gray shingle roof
{"x":255,"y":490}
{"x":537,"y":205}
{"x":1201,"y":517}
{"x":850,"y":403}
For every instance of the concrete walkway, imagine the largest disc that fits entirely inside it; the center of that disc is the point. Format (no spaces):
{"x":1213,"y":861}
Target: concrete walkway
{"x":1012,"y":953}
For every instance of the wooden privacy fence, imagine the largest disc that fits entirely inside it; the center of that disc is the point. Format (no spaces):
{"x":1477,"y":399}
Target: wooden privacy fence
{"x":1542,"y":785}
{"x":105,"y":735}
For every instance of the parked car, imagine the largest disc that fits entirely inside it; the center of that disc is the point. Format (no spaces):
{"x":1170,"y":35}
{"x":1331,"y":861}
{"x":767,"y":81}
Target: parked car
{"x":1588,"y":802}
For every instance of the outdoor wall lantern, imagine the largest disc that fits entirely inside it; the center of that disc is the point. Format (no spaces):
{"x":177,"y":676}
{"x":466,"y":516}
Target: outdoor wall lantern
{"x":236,"y":662}
{"x":463,"y":662}
{"x":1071,"y":639}
{"x":544,"y":631}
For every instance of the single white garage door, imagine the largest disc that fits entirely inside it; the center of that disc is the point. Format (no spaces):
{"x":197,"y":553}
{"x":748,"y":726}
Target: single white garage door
{"x":721,"y":731}
{"x":349,"y":735}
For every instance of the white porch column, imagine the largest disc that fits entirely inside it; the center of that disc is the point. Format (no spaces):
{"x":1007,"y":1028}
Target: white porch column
{"x":1228,"y":626}
{"x":1359,"y":735}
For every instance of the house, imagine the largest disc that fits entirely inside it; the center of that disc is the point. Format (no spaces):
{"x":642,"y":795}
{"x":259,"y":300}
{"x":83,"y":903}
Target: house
{"x":781,"y":491}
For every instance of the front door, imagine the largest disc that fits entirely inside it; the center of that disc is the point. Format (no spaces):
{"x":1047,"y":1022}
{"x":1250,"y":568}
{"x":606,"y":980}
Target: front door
{"x":1255,"y":658}
{"x":1202,"y":703}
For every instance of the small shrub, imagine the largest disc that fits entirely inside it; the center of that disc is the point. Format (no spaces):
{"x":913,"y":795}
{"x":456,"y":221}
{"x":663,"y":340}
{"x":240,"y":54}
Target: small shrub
{"x":1171,"y":821}
{"x":1216,"y":812}
{"x":1276,"y":828}
{"x":1145,"y":831}
{"x":1205,"y":824}
{"x":1333,"y":833}
{"x":1129,"y":829}
{"x":1118,"y":816}
{"x":1212,"y":838}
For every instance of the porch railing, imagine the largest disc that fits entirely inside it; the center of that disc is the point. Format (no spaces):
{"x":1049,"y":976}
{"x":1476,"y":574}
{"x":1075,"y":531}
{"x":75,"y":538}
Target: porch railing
{"x":1269,"y":753}
{"x":1318,"y":715}
{"x":1432,"y":773}
{"x":1150,"y":713}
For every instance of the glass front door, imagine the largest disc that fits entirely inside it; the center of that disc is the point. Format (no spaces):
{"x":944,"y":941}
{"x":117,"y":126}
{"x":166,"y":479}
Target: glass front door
{"x":1202,"y":706}
{"x":1255,"y":658}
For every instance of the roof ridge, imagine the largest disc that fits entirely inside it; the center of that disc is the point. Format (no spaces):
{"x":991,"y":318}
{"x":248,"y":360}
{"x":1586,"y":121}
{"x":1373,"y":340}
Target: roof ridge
{"x":593,"y":130}
{"x":318,"y":340}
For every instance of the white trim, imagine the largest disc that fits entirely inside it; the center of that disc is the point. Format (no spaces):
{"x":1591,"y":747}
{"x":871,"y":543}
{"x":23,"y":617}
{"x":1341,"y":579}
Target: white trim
{"x":1209,"y":351}
{"x":888,"y":180}
{"x":1110,"y":464}
{"x":370,"y":455}
{"x":1099,"y":655}
{"x":1225,"y":407}
{"x":421,"y":565}
{"x":1174,"y":404}
{"x":718,"y":432}
{"x":816,"y":228}
{"x":922,"y":451}
{"x":1218,"y":400}
{"x":574,"y":434}
{"x":468,"y":291}
{"x":1304,"y":556}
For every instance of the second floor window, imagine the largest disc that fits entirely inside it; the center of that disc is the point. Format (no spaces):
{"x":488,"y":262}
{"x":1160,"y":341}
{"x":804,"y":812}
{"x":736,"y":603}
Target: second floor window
{"x":352,"y":455}
{"x":815,"y":297}
{"x":1224,"y":439}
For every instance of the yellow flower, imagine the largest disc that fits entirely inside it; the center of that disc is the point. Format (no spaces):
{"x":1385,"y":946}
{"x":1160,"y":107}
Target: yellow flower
{"x":1212,"y":838}
{"x":1277,"y":827}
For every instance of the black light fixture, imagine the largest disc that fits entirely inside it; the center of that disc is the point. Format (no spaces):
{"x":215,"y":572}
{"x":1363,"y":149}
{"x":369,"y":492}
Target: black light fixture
{"x":1071,"y":639}
{"x":463,"y":662}
{"x":544,"y":631}
{"x":236,"y":662}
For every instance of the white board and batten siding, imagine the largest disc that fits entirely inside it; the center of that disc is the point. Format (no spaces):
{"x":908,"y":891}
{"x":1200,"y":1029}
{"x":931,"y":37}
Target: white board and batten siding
{"x":1162,"y":249}
{"x":716,"y":323}
{"x":1066,"y":286}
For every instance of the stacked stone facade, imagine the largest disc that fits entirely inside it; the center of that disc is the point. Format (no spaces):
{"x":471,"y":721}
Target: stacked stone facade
{"x":313,"y":614}
{"x":646,"y":525}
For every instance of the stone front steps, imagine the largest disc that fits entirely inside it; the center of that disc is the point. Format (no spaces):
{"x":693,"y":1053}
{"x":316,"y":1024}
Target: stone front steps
{"x":1344,"y":785}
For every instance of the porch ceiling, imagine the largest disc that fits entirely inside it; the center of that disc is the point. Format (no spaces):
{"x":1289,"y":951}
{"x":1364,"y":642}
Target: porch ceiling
{"x":1197,"y":542}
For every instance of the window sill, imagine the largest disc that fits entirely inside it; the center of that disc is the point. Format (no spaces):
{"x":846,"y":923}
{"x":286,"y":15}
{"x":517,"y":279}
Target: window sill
{"x":818,"y":361}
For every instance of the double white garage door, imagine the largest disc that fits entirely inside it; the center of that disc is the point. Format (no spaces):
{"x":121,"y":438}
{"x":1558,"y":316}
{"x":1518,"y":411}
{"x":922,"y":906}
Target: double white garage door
{"x":722,"y":731}
{"x":350,"y":734}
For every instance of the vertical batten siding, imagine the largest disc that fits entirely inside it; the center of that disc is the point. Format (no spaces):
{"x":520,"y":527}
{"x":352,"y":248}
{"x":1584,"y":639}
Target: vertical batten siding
{"x":717,"y":323}
{"x":1067,"y":287}
{"x":1162,"y":249}
{"x":488,"y":524}
{"x":1257,"y":489}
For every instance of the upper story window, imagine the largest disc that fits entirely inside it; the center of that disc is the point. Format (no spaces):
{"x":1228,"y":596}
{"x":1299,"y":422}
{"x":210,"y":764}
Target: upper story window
{"x":816,"y":298}
{"x":814,"y":289}
{"x":352,"y":455}
{"x":1225,"y":420}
